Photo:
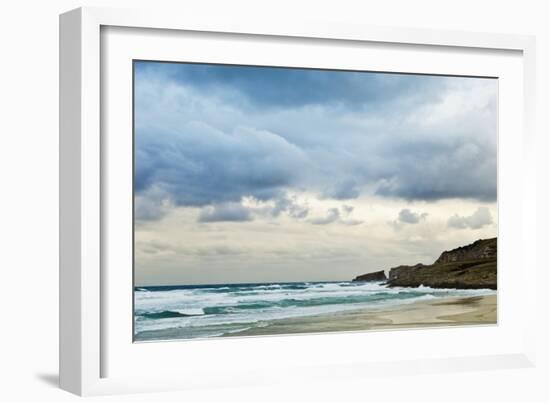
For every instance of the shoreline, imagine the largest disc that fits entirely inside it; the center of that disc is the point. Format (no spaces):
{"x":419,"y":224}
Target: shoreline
{"x":452,"y":311}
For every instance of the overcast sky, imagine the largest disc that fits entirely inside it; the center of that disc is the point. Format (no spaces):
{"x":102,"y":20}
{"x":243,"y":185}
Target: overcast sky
{"x":254,"y":174}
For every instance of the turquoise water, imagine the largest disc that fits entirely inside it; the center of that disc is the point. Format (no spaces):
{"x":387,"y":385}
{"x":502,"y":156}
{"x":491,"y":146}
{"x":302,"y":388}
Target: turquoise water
{"x":198,"y":311}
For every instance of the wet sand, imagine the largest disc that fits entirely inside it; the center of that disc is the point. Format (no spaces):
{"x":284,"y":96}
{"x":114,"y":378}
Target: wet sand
{"x":479,"y":310}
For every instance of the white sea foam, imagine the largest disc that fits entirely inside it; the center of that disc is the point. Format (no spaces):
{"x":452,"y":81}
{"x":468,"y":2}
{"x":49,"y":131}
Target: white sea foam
{"x":228,"y":308}
{"x":190,"y":311}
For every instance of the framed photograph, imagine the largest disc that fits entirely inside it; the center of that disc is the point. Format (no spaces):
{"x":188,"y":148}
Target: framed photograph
{"x":252,"y":193}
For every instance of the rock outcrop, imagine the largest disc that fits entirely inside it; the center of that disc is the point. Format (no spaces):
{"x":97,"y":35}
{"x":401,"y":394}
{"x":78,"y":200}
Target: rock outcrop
{"x":401,"y":271}
{"x":375,"y":276}
{"x":480,"y":249}
{"x":466,"y":267}
{"x":470,"y":266}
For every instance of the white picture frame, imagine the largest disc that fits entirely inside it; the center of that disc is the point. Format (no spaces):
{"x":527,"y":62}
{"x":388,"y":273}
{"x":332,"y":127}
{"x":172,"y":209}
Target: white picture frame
{"x":91,"y":346}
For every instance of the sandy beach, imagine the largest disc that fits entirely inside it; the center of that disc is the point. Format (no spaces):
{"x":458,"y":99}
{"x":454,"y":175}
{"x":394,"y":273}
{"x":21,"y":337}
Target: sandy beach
{"x":454,"y":311}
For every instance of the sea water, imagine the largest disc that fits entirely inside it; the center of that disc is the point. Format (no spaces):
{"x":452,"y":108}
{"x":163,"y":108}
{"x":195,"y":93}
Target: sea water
{"x":198,"y":311}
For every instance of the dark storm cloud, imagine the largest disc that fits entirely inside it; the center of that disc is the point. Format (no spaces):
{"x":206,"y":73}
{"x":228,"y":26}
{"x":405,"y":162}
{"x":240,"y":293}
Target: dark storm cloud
{"x":202,"y":166}
{"x":209,"y":135}
{"x":348,"y":189}
{"x":434,"y":170}
{"x":284,"y":87}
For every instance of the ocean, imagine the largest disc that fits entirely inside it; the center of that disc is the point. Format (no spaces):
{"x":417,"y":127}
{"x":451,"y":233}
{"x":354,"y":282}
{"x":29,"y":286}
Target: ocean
{"x":202,"y":311}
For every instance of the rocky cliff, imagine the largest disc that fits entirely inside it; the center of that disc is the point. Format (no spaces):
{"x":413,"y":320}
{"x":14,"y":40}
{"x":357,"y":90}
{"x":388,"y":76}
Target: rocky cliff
{"x":469,"y":266}
{"x":375,"y":276}
{"x":480,"y":249}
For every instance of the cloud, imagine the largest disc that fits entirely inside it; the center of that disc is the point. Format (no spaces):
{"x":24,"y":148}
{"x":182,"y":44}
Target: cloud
{"x":248,"y":209}
{"x":345,"y":190}
{"x":200,"y":165}
{"x":347,"y":209}
{"x":409,"y":217}
{"x":290,"y":206}
{"x":175,"y":248}
{"x":446,"y":149}
{"x":216,"y":250}
{"x":273,"y":87}
{"x":209,"y":135}
{"x":232,"y":212}
{"x":480,"y":218}
{"x":352,"y":222}
{"x":346,"y":212}
{"x":152,"y":204}
{"x":154,"y":247}
{"x":334,"y":215}
{"x":429,"y":170}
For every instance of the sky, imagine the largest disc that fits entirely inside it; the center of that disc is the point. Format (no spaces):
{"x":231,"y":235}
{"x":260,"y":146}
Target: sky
{"x":264,"y":174}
